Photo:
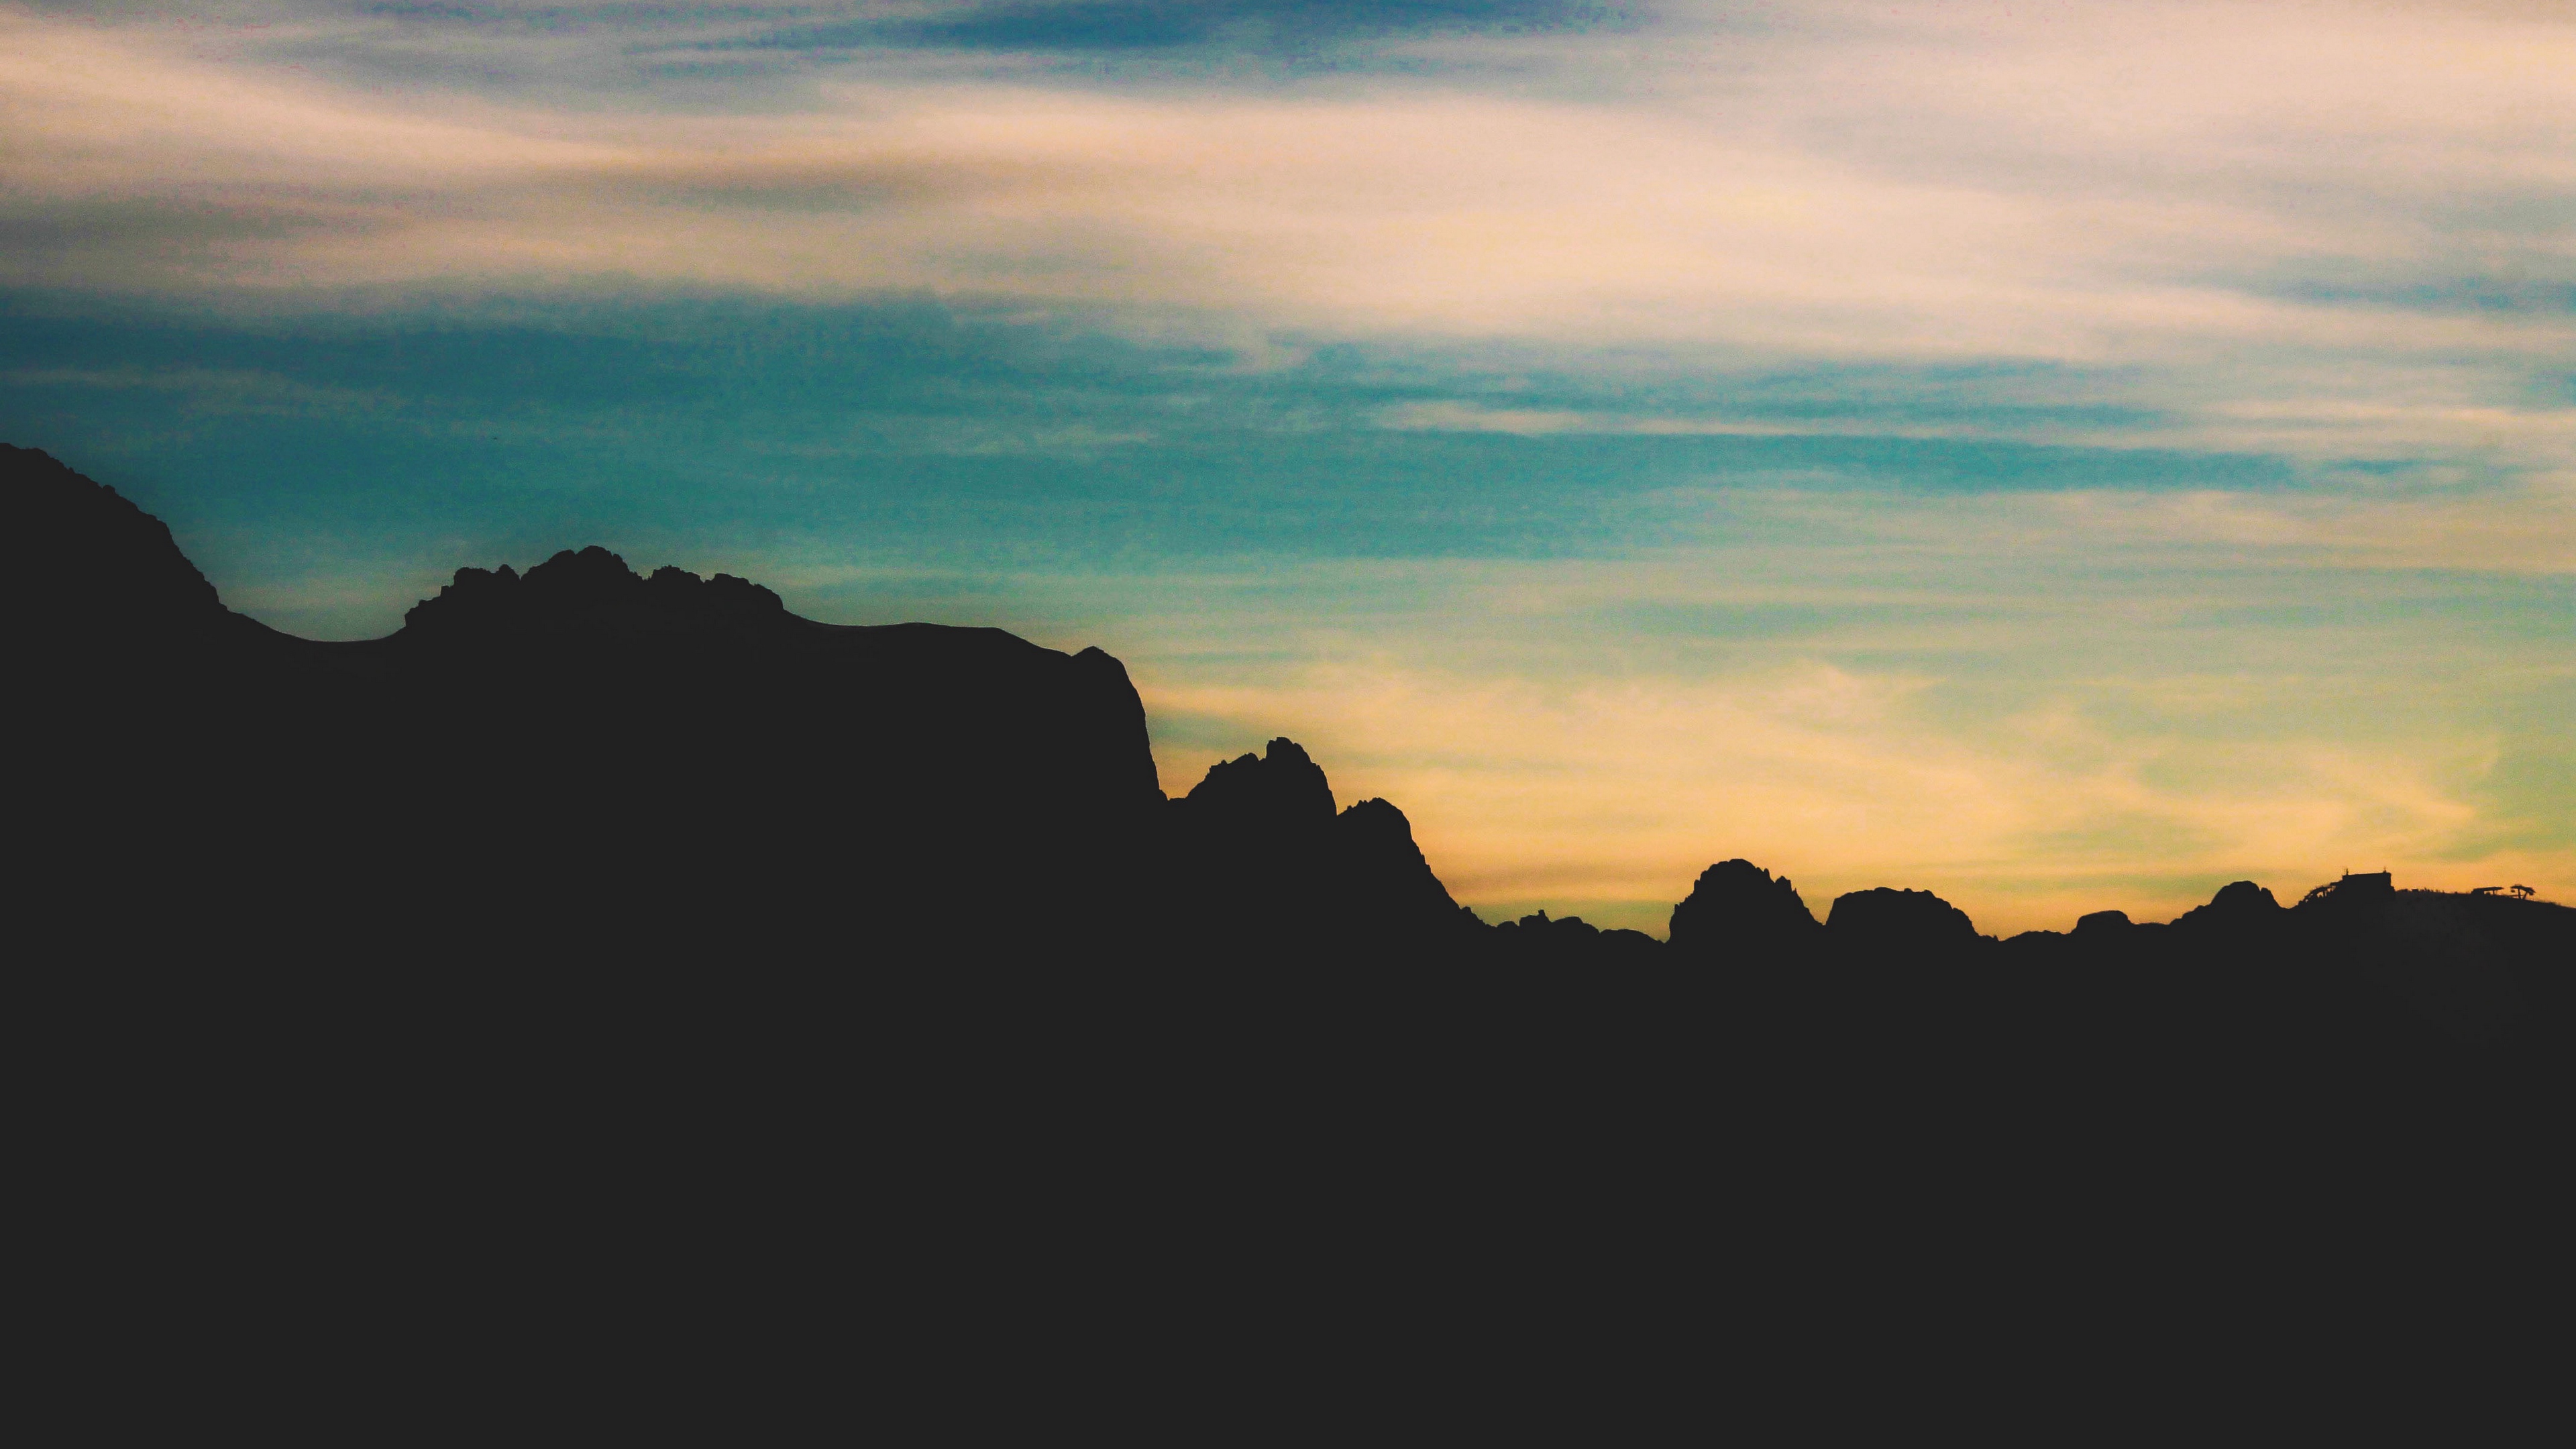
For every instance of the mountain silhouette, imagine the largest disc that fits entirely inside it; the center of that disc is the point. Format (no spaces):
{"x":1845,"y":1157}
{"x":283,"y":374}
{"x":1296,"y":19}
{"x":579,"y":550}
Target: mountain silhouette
{"x":2240,"y":905}
{"x":1888,"y":922}
{"x":1263,"y":861}
{"x":745,"y":872}
{"x":664,"y":761}
{"x":1735,"y":909}
{"x":572,"y":754}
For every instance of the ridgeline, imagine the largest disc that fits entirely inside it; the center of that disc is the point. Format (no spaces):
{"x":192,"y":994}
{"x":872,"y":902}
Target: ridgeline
{"x":657,"y":821}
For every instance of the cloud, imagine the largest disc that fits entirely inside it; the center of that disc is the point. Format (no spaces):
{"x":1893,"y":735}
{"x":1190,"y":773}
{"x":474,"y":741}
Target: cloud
{"x":2532,"y":532}
{"x":2105,"y":449}
{"x":1260,"y":26}
{"x":1465,"y":417}
{"x":2257,"y":210}
{"x":236,"y":391}
{"x":1920,"y":188}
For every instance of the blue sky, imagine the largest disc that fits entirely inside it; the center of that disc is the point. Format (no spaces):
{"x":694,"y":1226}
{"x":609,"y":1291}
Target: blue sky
{"x":2064,"y":460}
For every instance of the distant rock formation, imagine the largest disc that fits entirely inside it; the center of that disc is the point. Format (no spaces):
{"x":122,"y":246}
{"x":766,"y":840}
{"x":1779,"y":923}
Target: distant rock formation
{"x":1279,"y":791}
{"x":1571,"y":942}
{"x":1386,"y":885}
{"x":591,"y":593}
{"x":1259,"y":841}
{"x":2238,"y":908}
{"x":1736,"y":911}
{"x":1885,"y":921}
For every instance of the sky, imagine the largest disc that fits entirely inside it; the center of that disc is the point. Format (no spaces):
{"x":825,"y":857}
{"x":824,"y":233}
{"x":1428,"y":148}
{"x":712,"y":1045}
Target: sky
{"x":2066,"y":457}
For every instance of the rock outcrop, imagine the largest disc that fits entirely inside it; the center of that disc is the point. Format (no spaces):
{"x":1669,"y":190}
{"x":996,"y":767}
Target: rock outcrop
{"x":1889,"y":923}
{"x":2237,"y":903}
{"x":1737,"y":912}
{"x":1268,"y":869}
{"x":1280,"y":792}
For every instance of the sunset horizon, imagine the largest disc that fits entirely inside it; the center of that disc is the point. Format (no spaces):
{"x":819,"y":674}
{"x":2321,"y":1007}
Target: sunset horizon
{"x":2061,"y":462}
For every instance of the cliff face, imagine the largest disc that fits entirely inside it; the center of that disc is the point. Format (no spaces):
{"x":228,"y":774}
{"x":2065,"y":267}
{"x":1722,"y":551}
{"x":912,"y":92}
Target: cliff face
{"x":706,"y":694}
{"x":661,"y":760}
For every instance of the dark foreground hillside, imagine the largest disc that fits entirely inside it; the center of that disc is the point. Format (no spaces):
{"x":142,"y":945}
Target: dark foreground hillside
{"x":839,"y":902}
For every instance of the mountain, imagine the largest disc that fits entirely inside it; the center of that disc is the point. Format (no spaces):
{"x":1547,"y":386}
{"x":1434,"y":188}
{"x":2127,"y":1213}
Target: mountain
{"x":1736,"y":910}
{"x":1264,"y":868}
{"x":591,"y":888}
{"x":581,"y":761}
{"x":573,"y":758}
{"x":584,"y":760}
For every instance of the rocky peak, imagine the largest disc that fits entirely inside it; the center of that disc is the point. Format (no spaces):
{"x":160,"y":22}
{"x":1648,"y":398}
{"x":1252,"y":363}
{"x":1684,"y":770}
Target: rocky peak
{"x":1736,"y":904}
{"x":1281,"y":789}
{"x":1899,"y":919}
{"x":591,"y":584}
{"x":2244,"y":896}
{"x":2237,"y":903}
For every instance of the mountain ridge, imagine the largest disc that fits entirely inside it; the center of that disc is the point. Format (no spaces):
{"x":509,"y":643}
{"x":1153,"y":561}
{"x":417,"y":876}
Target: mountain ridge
{"x":898,"y":923}
{"x":587,"y":647}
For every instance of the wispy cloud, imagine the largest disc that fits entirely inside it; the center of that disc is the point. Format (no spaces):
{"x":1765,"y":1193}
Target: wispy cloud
{"x":2161,"y":186}
{"x":2095,"y":449}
